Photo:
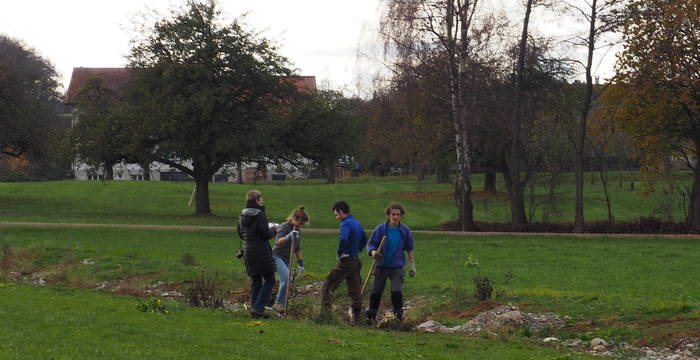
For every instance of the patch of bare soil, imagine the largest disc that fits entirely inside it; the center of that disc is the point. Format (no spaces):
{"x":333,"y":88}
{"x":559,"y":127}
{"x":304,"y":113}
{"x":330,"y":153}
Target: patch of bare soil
{"x":470,"y":311}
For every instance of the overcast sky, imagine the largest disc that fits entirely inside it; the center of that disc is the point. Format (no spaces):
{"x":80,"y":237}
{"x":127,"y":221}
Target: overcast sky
{"x":320,"y":37}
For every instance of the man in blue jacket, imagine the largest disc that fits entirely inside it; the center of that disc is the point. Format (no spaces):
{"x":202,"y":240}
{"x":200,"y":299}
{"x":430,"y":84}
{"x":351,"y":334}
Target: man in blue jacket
{"x":352,"y":240}
{"x":390,"y":260}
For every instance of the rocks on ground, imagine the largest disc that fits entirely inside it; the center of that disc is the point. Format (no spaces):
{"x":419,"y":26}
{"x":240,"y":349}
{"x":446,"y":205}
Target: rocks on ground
{"x":500,"y":320}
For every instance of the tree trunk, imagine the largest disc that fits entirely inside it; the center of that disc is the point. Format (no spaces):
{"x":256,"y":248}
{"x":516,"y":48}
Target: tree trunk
{"x":463,"y":190}
{"x":517,"y":203}
{"x":581,"y":133}
{"x":604,"y":182}
{"x":513,"y":160}
{"x":146,"y":166}
{"x":489,"y":180}
{"x":694,"y":207}
{"x":202,"y":194}
{"x":329,"y":169}
{"x":578,"y":180}
{"x":443,"y":174}
{"x":239,"y":172}
{"x":507,"y":182}
{"x":108,"y":171}
{"x":202,"y":175}
{"x":420,"y":172}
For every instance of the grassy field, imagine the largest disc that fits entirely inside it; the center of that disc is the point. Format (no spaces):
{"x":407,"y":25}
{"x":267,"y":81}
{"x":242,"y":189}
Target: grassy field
{"x":63,"y":323}
{"x":641,"y":290}
{"x":429,"y":204}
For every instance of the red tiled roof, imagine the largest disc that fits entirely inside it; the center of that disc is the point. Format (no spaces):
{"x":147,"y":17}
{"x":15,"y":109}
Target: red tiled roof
{"x":115,"y":79}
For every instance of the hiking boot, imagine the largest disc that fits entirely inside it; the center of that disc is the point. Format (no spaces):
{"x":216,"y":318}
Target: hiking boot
{"x":371,"y":315}
{"x":355,"y":316}
{"x":279,"y":307}
{"x":258,"y":315}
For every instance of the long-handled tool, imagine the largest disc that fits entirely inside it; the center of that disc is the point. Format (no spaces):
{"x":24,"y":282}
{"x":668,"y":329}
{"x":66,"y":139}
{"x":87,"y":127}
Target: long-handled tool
{"x":374,"y":262}
{"x":289,"y":279}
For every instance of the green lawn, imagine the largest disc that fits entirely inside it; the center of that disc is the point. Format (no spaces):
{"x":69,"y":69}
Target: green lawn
{"x":429,"y":204}
{"x":612,"y":287}
{"x":62,"y":323}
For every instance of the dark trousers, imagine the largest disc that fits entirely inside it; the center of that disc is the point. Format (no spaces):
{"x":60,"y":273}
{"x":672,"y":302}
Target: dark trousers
{"x":381,"y":275}
{"x":348,"y":269}
{"x":260,"y":291}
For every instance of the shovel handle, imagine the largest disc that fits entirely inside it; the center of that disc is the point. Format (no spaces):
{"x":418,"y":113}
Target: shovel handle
{"x":371,"y":269}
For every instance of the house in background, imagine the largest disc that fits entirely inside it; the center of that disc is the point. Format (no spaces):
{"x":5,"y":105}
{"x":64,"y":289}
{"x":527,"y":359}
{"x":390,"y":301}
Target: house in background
{"x":117,"y":80}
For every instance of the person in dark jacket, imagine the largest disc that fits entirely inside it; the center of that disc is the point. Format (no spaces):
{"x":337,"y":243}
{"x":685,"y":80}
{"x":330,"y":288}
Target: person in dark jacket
{"x":390,"y":260}
{"x":352,"y":240}
{"x":259,"y":264}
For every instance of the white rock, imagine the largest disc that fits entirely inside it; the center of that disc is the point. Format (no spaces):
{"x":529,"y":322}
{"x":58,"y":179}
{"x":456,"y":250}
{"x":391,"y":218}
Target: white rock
{"x":550,"y":339}
{"x":651,"y":352}
{"x":87,"y":262}
{"x":598,"y":341}
{"x":432,"y":326}
{"x":599,"y":348}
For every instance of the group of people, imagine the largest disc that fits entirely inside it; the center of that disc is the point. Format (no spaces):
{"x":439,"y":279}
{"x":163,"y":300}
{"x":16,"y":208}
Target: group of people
{"x":386,"y":245}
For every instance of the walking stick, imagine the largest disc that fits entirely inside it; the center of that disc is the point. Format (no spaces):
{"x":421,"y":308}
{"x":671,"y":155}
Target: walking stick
{"x":289,"y":279}
{"x":371,"y":269}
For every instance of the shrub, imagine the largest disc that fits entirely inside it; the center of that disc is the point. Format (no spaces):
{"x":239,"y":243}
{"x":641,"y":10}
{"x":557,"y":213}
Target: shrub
{"x":204,"y":293}
{"x":188,"y":259}
{"x":483,"y":287}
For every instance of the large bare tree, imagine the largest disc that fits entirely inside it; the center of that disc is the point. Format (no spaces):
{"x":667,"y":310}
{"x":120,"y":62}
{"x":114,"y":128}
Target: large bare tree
{"x":419,"y":31}
{"x":599,"y":16}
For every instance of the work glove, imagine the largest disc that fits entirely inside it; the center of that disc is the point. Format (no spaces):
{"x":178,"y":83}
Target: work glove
{"x":289,"y":237}
{"x":300,"y":268}
{"x":375,"y":254}
{"x":412,"y":269}
{"x":295,"y":234}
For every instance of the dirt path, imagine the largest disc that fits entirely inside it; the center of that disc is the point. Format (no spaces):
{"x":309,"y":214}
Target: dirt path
{"x":331,"y":231}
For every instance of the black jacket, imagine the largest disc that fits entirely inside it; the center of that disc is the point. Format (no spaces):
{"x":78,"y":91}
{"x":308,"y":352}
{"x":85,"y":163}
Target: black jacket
{"x":253,"y":228}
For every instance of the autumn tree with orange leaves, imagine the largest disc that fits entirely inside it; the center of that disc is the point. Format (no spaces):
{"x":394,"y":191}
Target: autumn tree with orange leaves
{"x":656,"y":94}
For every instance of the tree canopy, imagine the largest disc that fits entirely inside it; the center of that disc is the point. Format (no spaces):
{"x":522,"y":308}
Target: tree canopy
{"x":656,"y":96}
{"x":28,"y":90}
{"x":209,"y":93}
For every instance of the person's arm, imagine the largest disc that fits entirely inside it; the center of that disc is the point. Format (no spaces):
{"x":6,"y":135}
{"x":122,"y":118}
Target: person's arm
{"x":265,"y":231}
{"x":373,"y":241}
{"x":283,"y":234}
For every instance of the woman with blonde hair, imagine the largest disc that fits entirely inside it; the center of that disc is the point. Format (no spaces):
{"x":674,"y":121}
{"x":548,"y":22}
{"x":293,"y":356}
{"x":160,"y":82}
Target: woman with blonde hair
{"x":288,"y":235}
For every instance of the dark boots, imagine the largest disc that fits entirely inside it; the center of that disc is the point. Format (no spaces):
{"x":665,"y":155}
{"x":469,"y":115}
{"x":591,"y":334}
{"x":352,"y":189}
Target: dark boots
{"x":397,"y":304}
{"x":355,"y":316}
{"x":373,"y":308}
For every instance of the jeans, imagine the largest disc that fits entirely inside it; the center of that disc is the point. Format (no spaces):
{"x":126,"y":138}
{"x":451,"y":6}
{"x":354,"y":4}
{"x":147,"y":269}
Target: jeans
{"x":260,"y":291}
{"x":283,"y":271}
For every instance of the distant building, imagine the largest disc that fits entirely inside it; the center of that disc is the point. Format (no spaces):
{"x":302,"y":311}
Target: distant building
{"x":117,"y":80}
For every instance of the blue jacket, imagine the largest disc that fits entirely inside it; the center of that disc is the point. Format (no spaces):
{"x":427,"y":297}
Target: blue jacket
{"x":405,"y":244}
{"x":352,"y":237}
